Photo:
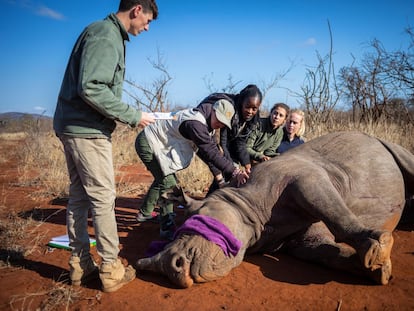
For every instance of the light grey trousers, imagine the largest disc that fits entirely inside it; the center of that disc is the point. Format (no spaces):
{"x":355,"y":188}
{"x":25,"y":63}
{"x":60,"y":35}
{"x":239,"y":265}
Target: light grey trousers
{"x":92,"y":187}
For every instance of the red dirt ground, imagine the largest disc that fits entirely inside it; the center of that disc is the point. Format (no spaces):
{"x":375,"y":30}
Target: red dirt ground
{"x":259,"y":283}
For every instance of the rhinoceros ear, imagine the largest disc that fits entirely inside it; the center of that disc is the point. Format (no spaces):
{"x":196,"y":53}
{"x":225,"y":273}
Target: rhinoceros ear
{"x":177,"y":195}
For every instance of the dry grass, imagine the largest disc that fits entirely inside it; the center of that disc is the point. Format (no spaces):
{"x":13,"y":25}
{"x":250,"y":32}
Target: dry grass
{"x":58,"y":297}
{"x":42,"y":162}
{"x":396,"y":133}
{"x":19,"y":237}
{"x":13,"y":136}
{"x":196,"y":178}
{"x":20,"y":233}
{"x":123,"y":140}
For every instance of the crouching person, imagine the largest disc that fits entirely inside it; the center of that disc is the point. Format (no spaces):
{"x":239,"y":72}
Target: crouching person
{"x":168,"y":146}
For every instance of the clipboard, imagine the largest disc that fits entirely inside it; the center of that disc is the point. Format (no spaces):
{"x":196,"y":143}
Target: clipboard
{"x":62,"y":242}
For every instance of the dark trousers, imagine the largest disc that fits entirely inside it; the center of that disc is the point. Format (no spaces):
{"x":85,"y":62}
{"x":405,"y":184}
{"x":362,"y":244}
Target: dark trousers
{"x":160,"y":184}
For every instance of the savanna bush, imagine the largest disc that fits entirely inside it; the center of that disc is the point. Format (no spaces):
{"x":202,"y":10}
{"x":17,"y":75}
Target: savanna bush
{"x":42,"y":163}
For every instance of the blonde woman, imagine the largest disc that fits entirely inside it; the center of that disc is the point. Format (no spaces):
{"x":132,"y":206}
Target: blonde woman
{"x":293,"y":131}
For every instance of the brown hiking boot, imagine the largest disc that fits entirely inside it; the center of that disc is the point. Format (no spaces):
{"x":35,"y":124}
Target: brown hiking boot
{"x":82,"y":270}
{"x":114,"y":275}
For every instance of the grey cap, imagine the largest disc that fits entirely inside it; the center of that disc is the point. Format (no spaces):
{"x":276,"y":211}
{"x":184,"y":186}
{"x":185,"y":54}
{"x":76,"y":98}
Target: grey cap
{"x":224,"y":111}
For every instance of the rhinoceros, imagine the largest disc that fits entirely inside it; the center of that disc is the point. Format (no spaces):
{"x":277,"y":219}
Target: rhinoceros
{"x":334,"y":200}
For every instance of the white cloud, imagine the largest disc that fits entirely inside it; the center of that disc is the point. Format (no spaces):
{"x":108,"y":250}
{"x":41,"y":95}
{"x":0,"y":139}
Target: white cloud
{"x":38,"y":9}
{"x":309,"y":42}
{"x":39,"y":108}
{"x":45,"y":11}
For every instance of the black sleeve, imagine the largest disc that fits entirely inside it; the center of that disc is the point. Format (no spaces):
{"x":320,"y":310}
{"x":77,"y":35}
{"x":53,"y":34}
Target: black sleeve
{"x":241,"y":150}
{"x":224,"y":142}
{"x":207,"y":148}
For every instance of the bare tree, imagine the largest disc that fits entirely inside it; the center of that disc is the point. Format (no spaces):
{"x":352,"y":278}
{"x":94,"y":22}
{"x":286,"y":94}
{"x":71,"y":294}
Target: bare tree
{"x":232,"y":85}
{"x":399,"y":65}
{"x":267,"y":85}
{"x":367,"y":87}
{"x":320,"y":92}
{"x":153,"y":97}
{"x":377,"y":87}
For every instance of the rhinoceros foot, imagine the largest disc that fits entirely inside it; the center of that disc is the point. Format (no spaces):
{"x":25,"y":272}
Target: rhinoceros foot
{"x":377,"y":258}
{"x":381,"y":275}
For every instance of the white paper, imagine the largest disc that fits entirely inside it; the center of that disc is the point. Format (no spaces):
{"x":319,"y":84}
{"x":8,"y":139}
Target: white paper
{"x":163,"y":115}
{"x":62,"y":241}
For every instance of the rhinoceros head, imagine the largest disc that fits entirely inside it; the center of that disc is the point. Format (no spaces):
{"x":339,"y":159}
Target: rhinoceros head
{"x":189,"y":259}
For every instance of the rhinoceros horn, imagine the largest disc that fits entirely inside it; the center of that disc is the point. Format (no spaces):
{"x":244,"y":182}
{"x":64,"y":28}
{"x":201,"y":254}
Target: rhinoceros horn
{"x":176,"y":267}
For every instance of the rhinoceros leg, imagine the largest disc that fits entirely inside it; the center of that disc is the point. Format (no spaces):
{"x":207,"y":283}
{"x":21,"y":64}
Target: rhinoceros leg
{"x":315,"y":194}
{"x":317,"y":244}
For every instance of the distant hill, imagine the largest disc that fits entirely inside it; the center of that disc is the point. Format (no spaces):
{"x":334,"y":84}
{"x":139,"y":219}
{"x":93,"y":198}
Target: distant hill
{"x":21,"y":115}
{"x":19,"y":121}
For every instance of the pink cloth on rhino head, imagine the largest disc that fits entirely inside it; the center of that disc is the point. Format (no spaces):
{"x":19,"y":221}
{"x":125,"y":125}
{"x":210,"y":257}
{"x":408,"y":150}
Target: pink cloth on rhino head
{"x":212,"y":230}
{"x":209,"y":228}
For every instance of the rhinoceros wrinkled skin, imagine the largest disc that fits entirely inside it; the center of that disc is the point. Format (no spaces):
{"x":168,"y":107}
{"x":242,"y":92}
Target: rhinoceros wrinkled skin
{"x":334,"y":200}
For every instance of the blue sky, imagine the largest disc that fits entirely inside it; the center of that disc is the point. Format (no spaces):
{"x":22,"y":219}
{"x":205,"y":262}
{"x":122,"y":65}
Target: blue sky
{"x":252,"y":41}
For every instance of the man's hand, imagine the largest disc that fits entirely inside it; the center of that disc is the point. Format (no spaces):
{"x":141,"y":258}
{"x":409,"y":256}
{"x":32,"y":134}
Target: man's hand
{"x":146,"y":119}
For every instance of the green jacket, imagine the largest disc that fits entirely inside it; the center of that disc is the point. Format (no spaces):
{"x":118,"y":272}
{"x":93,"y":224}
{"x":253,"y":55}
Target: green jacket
{"x":264,"y":140}
{"x":89,"y":101}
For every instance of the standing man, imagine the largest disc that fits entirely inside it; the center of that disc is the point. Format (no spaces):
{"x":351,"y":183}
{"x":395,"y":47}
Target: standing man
{"x":88,"y":105}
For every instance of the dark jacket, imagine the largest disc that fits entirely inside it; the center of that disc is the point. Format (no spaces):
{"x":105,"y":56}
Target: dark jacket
{"x":232,"y":142}
{"x":286,"y":144}
{"x":207,"y":147}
